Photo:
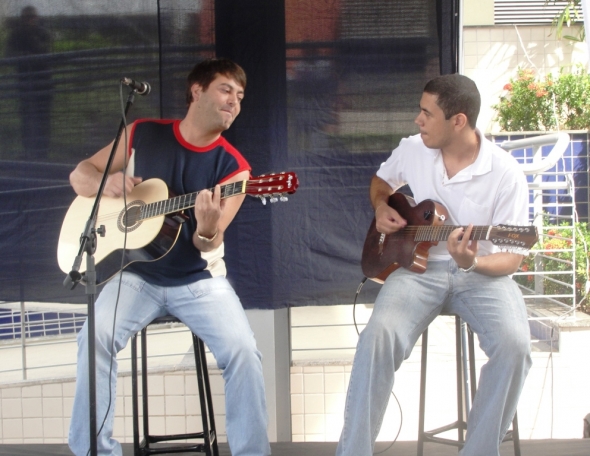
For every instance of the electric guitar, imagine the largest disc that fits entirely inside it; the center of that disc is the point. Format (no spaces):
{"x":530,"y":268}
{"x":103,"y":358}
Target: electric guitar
{"x":408,"y":247}
{"x":151,"y":221}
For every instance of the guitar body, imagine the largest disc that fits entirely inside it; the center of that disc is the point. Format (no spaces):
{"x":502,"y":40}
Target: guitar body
{"x":381,"y":258}
{"x":147,"y":240}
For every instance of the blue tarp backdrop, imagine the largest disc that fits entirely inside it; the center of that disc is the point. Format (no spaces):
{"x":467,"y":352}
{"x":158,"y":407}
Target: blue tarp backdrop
{"x":332,"y":87}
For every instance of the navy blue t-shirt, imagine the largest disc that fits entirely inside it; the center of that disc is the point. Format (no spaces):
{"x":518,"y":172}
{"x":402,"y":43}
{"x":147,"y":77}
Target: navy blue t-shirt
{"x":161,"y":152}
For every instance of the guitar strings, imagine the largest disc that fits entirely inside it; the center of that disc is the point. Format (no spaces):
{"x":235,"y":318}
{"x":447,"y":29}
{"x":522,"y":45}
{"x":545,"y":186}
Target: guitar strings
{"x":179,"y":203}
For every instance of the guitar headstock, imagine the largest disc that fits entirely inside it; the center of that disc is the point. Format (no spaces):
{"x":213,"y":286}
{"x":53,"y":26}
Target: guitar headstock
{"x":274,"y":186}
{"x":518,"y":239}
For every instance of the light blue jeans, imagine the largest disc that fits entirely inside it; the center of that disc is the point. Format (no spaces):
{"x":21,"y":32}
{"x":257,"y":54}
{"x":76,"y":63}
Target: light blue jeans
{"x":212,"y":310}
{"x":407,"y":303}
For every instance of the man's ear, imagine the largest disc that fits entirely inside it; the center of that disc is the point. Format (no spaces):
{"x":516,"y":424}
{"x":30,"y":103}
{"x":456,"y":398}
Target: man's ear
{"x":460,"y":120}
{"x":196,"y":91}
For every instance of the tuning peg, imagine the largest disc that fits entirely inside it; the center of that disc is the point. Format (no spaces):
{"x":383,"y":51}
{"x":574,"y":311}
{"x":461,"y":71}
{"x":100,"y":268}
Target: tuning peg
{"x":273,"y":199}
{"x":263,"y":199}
{"x":284,"y":199}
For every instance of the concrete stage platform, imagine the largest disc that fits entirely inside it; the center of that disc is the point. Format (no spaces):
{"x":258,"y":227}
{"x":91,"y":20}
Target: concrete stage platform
{"x":572,"y":447}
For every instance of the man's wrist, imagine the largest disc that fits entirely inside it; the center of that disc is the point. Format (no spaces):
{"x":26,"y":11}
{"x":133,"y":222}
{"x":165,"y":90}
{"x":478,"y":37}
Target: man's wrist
{"x":207,"y":238}
{"x":470,"y":268}
{"x":379,"y":205}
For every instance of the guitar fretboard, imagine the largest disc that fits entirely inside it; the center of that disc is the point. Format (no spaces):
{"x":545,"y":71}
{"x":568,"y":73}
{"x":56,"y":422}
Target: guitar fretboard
{"x":180,"y":203}
{"x":442,"y":232}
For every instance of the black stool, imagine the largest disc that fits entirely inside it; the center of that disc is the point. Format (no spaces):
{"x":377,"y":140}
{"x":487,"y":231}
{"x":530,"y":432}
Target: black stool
{"x":208,"y":436}
{"x":462,"y":373}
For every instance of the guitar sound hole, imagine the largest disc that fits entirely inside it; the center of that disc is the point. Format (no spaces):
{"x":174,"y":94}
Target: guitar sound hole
{"x":131,"y":219}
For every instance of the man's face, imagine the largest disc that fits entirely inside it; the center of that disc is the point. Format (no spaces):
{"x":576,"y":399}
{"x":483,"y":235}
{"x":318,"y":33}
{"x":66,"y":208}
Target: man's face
{"x":435,"y":130}
{"x":220,"y":103}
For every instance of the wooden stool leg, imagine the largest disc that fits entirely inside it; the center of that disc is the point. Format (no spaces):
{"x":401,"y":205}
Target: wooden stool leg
{"x":144,"y":386}
{"x":515,"y":435}
{"x":209,"y":430}
{"x":459,"y":368}
{"x":135,"y":395}
{"x":423,"y":363}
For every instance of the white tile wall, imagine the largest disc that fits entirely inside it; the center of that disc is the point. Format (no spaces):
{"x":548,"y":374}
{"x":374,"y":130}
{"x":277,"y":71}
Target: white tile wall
{"x":491,"y":55}
{"x":39,"y":412}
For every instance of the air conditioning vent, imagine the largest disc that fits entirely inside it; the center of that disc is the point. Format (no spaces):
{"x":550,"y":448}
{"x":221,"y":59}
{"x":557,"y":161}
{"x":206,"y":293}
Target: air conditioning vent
{"x":527,"y":12}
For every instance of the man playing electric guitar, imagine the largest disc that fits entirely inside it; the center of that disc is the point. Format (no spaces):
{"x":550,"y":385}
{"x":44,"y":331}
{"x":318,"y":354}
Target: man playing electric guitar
{"x":189,"y":155}
{"x":478,"y":183}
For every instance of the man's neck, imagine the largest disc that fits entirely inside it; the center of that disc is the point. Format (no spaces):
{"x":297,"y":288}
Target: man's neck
{"x":461,"y":154}
{"x":197,"y":136}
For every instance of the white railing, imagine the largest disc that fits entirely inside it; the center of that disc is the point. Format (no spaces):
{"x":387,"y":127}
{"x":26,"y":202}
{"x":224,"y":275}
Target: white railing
{"x":49,"y":348}
{"x":550,"y":285}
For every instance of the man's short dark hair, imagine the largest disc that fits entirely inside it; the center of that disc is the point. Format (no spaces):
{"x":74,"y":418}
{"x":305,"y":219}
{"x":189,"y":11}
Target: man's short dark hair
{"x":206,"y":71}
{"x":456,"y":94}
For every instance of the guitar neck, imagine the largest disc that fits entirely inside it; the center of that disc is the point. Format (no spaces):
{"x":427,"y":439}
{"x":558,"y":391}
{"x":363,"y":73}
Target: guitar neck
{"x":442,"y":232}
{"x":180,"y":203}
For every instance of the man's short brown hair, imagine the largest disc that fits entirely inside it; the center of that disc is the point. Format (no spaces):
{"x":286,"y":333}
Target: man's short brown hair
{"x":206,"y":71}
{"x":456,"y":94}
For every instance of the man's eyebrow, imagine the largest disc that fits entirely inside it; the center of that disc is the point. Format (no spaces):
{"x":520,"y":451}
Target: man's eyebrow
{"x":237,"y":89}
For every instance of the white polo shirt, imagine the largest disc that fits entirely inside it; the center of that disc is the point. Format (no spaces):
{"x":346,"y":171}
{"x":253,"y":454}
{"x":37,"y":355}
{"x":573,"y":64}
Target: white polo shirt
{"x":491,"y":191}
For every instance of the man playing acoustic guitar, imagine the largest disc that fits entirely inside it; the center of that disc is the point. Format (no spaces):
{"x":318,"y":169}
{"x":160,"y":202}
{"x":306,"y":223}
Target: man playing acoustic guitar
{"x":451,"y":163}
{"x":189,"y":155}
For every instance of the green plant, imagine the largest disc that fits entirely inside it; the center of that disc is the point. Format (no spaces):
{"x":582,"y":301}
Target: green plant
{"x":554,"y":257}
{"x":572,"y":92}
{"x":571,"y":12}
{"x":548,"y":103}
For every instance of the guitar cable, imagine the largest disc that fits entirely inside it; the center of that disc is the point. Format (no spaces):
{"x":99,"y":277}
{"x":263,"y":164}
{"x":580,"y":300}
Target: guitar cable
{"x":124,"y":119}
{"x":401,"y":414}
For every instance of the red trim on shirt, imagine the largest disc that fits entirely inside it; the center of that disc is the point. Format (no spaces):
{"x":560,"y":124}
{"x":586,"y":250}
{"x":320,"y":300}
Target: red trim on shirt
{"x":243,"y":164}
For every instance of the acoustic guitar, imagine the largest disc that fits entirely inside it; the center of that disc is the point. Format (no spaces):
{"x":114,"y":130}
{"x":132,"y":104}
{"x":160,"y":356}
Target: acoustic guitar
{"x":150,"y":223}
{"x":408,"y":247}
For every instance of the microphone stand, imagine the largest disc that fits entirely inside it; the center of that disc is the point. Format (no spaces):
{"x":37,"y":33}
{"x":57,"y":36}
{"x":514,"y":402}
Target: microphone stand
{"x":88,"y":242}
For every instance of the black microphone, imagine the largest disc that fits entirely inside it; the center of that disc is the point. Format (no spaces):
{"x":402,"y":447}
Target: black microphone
{"x":142,"y":88}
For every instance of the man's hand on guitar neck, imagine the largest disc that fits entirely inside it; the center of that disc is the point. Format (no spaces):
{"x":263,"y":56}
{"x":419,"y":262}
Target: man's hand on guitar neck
{"x":464,"y":252}
{"x":461,"y":248}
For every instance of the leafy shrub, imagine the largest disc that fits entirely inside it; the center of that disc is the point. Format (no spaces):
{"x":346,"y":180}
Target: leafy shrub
{"x":548,"y":103}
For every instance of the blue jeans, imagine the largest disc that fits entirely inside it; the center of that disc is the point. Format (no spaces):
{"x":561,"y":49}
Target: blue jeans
{"x":212,"y":310}
{"x":407,"y":303}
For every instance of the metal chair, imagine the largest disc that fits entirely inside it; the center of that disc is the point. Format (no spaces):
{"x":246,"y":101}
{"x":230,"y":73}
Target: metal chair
{"x":208,"y":435}
{"x":466,"y":382}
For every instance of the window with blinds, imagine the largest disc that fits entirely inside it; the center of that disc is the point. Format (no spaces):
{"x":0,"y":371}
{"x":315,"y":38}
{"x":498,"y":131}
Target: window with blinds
{"x":528,"y":12}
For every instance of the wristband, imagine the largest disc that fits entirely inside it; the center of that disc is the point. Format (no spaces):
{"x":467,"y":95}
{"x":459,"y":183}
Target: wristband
{"x":470,"y":268}
{"x":206,"y":239}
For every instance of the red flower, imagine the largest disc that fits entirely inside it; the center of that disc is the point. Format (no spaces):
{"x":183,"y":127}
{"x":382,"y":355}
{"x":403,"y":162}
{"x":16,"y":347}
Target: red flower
{"x":508,"y":87}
